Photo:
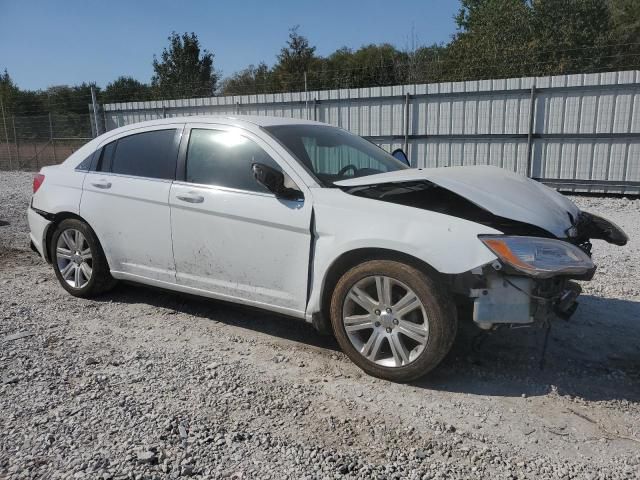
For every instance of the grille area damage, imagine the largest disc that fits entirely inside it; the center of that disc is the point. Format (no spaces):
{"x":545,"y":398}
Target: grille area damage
{"x":499,"y":296}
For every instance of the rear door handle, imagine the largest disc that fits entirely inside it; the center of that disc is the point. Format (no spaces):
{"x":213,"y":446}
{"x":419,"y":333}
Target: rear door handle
{"x":191,"y":198}
{"x":101,"y":184}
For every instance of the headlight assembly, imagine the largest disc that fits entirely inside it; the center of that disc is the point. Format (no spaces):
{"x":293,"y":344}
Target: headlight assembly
{"x":539,"y":257}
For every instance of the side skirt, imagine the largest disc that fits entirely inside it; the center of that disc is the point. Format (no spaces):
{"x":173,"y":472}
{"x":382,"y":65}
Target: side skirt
{"x":205,"y":293}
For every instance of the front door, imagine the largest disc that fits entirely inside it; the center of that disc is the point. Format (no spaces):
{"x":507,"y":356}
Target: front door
{"x":232,"y":237}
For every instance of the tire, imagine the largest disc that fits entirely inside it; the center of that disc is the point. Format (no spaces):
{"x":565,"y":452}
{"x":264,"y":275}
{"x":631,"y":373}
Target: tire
{"x":87,"y":260}
{"x":412,"y":340}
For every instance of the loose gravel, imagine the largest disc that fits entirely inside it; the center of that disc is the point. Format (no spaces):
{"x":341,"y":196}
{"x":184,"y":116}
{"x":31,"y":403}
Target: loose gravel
{"x":146,"y":384}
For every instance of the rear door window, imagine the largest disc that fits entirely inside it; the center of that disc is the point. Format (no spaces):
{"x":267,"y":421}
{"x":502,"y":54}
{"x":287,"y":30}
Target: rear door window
{"x":149,"y":154}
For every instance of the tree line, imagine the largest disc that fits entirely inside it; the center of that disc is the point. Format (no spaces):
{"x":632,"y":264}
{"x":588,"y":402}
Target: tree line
{"x":494,"y":39}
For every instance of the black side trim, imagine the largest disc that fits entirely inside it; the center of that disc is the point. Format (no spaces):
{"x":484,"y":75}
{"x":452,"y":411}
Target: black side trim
{"x":312,"y":251}
{"x":49,"y":216}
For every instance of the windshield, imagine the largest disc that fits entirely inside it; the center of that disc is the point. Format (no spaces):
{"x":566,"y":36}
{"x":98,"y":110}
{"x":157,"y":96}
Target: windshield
{"x":331,"y":154}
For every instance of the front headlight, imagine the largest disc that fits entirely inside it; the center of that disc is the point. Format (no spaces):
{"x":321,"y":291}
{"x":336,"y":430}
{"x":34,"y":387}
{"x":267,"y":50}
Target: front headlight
{"x":539,"y":257}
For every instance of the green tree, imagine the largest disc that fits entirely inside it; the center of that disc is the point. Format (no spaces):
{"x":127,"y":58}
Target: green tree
{"x":69,"y":99}
{"x":493,"y":40}
{"x":625,"y":32}
{"x":251,"y":80}
{"x":295,"y":58}
{"x":370,"y":65}
{"x":125,"y":89}
{"x":571,"y":36}
{"x":184,"y":70}
{"x":426,"y":64}
{"x":8,"y":91}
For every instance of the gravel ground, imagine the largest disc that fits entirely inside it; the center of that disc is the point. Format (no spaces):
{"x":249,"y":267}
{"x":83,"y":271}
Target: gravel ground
{"x":148,"y":384}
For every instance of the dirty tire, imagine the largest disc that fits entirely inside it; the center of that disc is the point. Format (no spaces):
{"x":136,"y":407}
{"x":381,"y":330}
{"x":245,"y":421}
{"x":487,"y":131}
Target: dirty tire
{"x":101,"y":280}
{"x":438,"y":305}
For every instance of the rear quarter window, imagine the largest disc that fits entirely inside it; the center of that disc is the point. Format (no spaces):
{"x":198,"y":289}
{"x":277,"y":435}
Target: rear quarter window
{"x":106,"y":155}
{"x":85,"y":165}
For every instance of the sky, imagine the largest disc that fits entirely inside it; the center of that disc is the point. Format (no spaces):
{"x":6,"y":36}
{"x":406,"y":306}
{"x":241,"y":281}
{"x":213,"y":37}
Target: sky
{"x":48,"y":43}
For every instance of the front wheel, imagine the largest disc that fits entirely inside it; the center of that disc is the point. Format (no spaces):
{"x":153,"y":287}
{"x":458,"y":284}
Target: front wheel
{"x":392,"y":320}
{"x":78,"y":260}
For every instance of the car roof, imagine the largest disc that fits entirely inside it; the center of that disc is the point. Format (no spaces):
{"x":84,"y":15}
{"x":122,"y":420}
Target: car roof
{"x":249,"y":122}
{"x":237,"y":120}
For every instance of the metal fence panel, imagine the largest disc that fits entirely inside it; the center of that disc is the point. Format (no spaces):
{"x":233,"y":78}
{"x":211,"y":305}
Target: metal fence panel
{"x":575,"y":132}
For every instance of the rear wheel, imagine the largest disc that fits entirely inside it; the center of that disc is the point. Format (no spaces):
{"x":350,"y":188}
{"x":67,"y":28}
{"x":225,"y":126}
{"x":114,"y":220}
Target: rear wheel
{"x":392,"y":320}
{"x":78,"y":259}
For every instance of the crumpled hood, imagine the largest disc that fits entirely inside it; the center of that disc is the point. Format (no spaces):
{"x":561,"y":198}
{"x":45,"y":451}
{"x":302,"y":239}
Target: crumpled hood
{"x":501,"y":192}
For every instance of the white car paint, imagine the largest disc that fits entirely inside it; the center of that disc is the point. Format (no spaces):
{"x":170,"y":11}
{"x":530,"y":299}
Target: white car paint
{"x":132,"y":246}
{"x":243,"y":244}
{"x":345,"y":223}
{"x":256,"y":249}
{"x":63,"y":194}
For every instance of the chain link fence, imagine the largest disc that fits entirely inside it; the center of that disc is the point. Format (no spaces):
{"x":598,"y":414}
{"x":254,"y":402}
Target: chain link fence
{"x":31,"y":142}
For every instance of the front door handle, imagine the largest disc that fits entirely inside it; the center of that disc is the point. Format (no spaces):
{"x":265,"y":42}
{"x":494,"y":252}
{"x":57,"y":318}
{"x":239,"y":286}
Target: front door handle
{"x":191,"y":198}
{"x":101,"y":184}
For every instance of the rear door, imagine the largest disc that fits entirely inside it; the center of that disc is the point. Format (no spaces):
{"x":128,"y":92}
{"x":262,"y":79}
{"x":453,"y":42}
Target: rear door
{"x":232,"y":237}
{"x":126,"y":201}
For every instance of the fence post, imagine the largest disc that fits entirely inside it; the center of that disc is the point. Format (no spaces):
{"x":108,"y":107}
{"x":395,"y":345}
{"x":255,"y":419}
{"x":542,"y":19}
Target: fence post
{"x":531,"y":128}
{"x":306,"y":97}
{"x":15,"y":139}
{"x":53,"y":143}
{"x":6,"y":135}
{"x":95,"y":110}
{"x":406,"y":124}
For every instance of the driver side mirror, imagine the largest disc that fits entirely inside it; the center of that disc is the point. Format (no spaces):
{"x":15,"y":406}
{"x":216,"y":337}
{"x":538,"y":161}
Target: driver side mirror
{"x":399,"y":154}
{"x":274,"y":181}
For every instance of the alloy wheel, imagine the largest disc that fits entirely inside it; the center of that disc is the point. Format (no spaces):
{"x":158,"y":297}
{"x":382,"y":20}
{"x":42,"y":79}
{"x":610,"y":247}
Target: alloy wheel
{"x":385,"y":321}
{"x":74,"y":258}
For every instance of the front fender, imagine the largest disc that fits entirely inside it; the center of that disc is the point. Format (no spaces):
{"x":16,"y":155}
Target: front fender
{"x":345,"y":223}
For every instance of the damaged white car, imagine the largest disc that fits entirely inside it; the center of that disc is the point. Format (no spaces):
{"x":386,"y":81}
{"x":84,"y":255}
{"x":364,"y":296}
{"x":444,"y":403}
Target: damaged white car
{"x":311,"y":221}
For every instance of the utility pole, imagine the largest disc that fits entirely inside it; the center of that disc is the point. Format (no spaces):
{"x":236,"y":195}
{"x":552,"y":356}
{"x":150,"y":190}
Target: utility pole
{"x":15,"y":139}
{"x":6,"y":135}
{"x":306,"y":97}
{"x":95,"y":110}
{"x":53,"y":143}
{"x":531,"y":130}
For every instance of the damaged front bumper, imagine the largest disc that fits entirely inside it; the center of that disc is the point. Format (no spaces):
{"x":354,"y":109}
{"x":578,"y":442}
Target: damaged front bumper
{"x":519,"y":300}
{"x":529,"y":282}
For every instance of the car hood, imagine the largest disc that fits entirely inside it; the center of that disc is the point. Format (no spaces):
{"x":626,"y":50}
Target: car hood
{"x":501,"y":192}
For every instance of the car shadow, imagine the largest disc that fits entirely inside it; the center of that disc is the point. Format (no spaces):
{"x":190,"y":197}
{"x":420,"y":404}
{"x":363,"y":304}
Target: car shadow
{"x":595,"y":355}
{"x":232,"y":314}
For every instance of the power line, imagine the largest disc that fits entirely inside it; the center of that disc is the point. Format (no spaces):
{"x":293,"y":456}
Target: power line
{"x":382,"y":74}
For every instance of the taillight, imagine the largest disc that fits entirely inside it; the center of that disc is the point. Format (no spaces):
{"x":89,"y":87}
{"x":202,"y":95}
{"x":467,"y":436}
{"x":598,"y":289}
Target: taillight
{"x":38,"y":179}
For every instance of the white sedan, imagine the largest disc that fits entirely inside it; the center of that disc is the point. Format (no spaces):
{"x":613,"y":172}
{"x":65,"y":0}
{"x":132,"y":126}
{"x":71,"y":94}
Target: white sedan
{"x":311,"y":221}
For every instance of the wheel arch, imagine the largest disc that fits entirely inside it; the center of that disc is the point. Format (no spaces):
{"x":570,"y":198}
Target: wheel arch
{"x":51,"y":228}
{"x":351,"y":258}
